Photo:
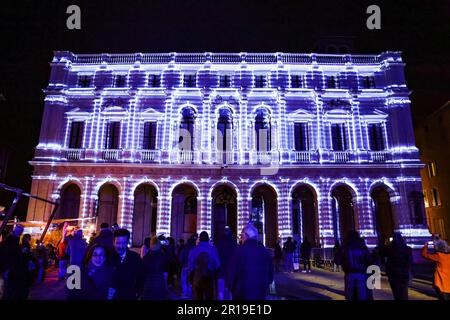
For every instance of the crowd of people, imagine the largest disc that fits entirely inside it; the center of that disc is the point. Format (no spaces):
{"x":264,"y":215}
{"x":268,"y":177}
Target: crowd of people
{"x":238,"y":269}
{"x":110,"y":270}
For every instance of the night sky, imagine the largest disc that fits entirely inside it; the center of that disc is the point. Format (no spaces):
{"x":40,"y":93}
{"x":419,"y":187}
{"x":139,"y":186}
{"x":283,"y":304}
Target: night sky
{"x":31,"y":30}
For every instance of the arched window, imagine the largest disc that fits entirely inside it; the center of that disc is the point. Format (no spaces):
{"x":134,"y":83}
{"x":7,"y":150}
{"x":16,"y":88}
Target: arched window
{"x":263,"y":130}
{"x":186,"y":138}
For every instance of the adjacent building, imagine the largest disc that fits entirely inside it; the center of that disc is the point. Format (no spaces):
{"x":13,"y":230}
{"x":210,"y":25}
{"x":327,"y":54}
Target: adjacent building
{"x":302,"y":145}
{"x":433,"y":139}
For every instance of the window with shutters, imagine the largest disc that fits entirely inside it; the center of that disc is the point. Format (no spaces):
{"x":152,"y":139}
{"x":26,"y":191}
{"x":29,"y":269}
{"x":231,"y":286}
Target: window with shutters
{"x":225,"y":81}
{"x":376,"y":137}
{"x":339,"y":137}
{"x":154,"y":80}
{"x":296,"y":81}
{"x":149,"y":141}
{"x":112,"y":135}
{"x":260,"y":81}
{"x":76,"y":135}
{"x":189,"y":80}
{"x":301,"y":136}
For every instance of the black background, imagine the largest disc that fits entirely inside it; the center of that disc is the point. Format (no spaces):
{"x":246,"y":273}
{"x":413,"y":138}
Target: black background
{"x":31,"y":30}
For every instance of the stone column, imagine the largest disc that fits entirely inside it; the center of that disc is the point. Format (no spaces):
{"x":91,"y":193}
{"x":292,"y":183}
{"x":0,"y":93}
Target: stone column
{"x":164,"y":208}
{"x":245,"y":203}
{"x":204,"y":207}
{"x":284,"y":216}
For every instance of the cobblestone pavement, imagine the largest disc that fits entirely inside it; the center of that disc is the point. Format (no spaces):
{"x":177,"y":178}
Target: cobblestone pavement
{"x":320,"y":284}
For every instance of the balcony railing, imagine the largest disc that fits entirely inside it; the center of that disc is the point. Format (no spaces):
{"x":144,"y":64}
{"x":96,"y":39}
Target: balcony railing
{"x":111,"y":155}
{"x":225,"y":58}
{"x":150,"y":155}
{"x":74,"y":154}
{"x":263,"y":157}
{"x":228,"y":157}
{"x":301,"y":156}
{"x":341,"y":156}
{"x":379,"y":156}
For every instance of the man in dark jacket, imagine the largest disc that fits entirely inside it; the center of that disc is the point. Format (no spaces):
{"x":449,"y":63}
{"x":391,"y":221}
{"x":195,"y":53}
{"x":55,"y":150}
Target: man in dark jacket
{"x":128,"y":276}
{"x":186,"y":288}
{"x":14,"y":267}
{"x":355,"y":257}
{"x":225,"y":247}
{"x":250,"y":270}
{"x":105,"y":237}
{"x":305,"y":253}
{"x":289,"y":248}
{"x":398,"y":266}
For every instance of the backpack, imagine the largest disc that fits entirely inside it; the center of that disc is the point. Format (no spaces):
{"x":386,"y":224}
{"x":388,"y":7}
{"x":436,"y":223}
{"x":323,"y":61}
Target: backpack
{"x":202,"y":270}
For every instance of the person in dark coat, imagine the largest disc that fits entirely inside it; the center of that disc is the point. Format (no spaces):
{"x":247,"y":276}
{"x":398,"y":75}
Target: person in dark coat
{"x":128,"y":276}
{"x":77,"y":249}
{"x":250,"y":269}
{"x":178,"y":250}
{"x":225,"y":248}
{"x":14,"y":267}
{"x":289,"y":248}
{"x":96,"y":276}
{"x":183,"y":260}
{"x":398,"y":266}
{"x":277,"y":256}
{"x":105,"y":237}
{"x":172,"y":261}
{"x":355,"y":257}
{"x":155,"y":264}
{"x":305,"y":254}
{"x":337,"y":256}
{"x":202,"y":279}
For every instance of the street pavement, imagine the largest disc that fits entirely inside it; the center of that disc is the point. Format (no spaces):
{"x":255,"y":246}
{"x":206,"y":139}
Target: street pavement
{"x":320,"y":284}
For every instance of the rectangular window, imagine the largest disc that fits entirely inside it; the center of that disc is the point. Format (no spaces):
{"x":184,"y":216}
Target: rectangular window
{"x":332,"y":82}
{"x":76,"y":135}
{"x":225,"y":81}
{"x":189,"y":81}
{"x":339,"y":137}
{"x":436,"y":199}
{"x":369,"y":82}
{"x":425,"y":199}
{"x":432,"y":169}
{"x":376,"y":138}
{"x":112,"y":135}
{"x":154,"y":80}
{"x":84,"y":81}
{"x":301,"y":136}
{"x":149,"y":141}
{"x":296,"y":81}
{"x":260,"y":81}
{"x":119,"y":81}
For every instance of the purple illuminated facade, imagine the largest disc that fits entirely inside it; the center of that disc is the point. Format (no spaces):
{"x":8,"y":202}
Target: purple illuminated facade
{"x":302,"y":145}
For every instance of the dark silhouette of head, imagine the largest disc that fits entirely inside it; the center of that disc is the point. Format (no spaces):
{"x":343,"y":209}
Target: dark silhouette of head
{"x":397,"y":240}
{"x":352,"y":236}
{"x":104,"y":225}
{"x":204,"y":237}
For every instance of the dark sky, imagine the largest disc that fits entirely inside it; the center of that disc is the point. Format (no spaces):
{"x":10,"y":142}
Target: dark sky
{"x":31,"y":30}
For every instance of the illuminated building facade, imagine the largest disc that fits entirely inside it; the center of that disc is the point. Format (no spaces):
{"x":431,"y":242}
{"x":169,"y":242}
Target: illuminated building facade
{"x":302,"y":145}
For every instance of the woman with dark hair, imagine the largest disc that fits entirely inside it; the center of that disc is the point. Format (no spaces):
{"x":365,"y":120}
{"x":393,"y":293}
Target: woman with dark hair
{"x":96,"y":275}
